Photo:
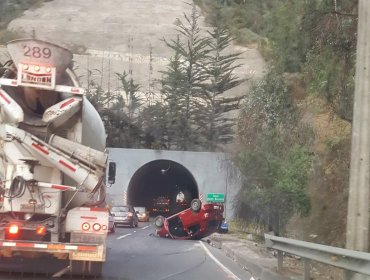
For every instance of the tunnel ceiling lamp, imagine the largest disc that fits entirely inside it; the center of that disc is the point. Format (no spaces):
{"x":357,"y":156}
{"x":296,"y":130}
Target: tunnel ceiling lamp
{"x":163,"y":171}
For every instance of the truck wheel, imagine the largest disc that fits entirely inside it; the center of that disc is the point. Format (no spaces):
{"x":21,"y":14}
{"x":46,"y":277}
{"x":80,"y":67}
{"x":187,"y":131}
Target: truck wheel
{"x":196,"y":205}
{"x":159,"y":222}
{"x":86,"y":268}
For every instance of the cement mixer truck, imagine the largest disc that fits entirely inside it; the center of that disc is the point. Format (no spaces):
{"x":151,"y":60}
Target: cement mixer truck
{"x":52,"y":161}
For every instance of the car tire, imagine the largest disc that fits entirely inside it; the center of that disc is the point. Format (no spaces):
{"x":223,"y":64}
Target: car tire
{"x":196,"y":205}
{"x":159,"y":222}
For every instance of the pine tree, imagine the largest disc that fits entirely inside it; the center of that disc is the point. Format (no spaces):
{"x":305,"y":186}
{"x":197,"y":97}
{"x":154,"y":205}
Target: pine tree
{"x":217,"y":127}
{"x":132,"y":104}
{"x":192,"y":50}
{"x":172,"y":91}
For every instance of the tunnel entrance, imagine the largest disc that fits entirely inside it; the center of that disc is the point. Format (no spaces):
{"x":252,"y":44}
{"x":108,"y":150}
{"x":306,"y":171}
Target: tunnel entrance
{"x":164,"y":187}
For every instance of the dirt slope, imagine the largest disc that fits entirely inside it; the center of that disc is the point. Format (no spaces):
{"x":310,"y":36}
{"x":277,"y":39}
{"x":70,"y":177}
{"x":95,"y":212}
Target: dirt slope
{"x":102,"y":31}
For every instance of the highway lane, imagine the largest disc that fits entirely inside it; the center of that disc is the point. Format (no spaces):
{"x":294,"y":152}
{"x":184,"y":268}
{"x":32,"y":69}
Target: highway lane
{"x":136,"y":253}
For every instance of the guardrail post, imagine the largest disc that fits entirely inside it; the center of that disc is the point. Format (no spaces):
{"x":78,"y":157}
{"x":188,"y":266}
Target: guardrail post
{"x":307,"y":269}
{"x":280,"y":259}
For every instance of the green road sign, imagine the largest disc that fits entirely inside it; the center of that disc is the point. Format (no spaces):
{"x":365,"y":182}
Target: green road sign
{"x":215,"y":197}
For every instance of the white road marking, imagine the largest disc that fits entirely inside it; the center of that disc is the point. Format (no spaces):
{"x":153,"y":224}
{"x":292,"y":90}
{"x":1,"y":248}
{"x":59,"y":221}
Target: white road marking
{"x":145,"y":227}
{"x":123,"y":236}
{"x":224,"y":268}
{"x":134,"y":231}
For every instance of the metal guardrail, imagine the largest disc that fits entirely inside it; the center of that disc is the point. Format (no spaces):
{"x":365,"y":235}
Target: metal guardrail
{"x":353,"y":261}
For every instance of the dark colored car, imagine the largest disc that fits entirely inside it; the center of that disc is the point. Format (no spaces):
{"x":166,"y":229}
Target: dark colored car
{"x":196,"y":222}
{"x":142,"y":214}
{"x":125,"y":215}
{"x":161,"y":205}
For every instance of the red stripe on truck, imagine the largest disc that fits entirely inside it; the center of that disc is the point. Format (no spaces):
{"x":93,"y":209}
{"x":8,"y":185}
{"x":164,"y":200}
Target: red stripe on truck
{"x":67,"y":103}
{"x":68,"y":247}
{"x":86,"y":248}
{"x":40,"y":148}
{"x":4,"y":97}
{"x":89,"y":217}
{"x":58,"y":187}
{"x":65,"y":164}
{"x":27,"y":245}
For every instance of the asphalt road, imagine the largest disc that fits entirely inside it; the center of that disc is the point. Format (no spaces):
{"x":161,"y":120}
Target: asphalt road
{"x":135,"y":253}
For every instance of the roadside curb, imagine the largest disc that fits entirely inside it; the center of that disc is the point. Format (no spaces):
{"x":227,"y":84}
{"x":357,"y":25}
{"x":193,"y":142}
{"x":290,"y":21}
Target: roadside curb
{"x":258,"y":271}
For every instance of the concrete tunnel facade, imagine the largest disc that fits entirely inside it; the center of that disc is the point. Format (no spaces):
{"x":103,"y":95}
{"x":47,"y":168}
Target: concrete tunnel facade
{"x":143,"y":175}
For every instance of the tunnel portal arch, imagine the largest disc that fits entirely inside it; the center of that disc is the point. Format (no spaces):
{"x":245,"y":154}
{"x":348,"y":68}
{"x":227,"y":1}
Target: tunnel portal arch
{"x":157,"y":184}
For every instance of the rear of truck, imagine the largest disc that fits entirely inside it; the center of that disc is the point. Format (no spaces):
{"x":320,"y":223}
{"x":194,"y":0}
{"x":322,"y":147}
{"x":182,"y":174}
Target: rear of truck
{"x":53,"y":161}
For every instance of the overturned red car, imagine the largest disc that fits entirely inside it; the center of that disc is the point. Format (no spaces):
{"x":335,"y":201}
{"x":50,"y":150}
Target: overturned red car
{"x":196,"y":222}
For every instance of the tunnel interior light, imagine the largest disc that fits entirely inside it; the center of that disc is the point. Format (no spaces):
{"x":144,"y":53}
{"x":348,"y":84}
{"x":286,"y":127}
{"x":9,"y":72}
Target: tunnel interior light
{"x":163,"y":171}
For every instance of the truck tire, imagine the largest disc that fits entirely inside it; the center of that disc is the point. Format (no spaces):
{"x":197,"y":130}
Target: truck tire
{"x":195,"y":205}
{"x":159,"y":222}
{"x":86,"y":268}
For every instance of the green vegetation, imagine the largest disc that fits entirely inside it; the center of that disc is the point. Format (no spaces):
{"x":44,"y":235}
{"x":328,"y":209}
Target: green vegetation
{"x":282,"y":139}
{"x":315,"y":37}
{"x":274,"y":156}
{"x":192,"y":52}
{"x":190,"y":113}
{"x":293,"y":134}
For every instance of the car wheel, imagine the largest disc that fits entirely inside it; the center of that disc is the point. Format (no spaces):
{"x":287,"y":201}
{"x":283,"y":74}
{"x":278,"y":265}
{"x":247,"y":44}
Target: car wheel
{"x":159,"y":222}
{"x":196,"y":205}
